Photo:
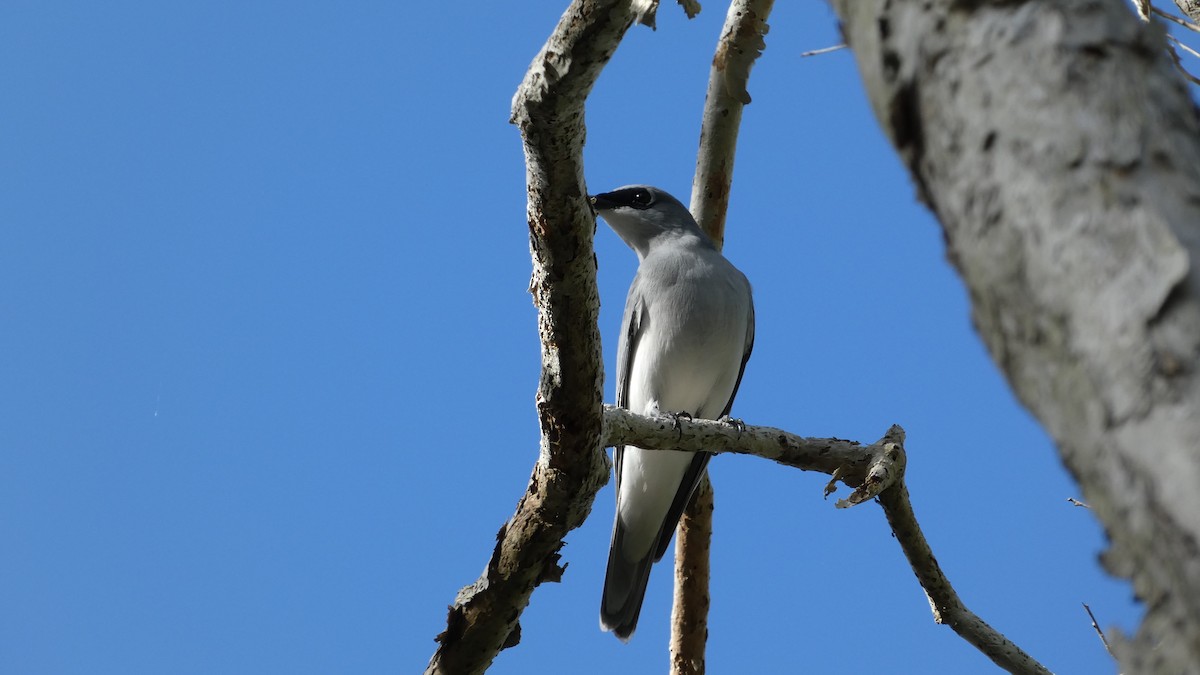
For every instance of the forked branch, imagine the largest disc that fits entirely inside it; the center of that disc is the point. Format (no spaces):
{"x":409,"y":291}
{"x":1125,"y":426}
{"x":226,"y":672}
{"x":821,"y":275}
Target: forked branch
{"x":571,"y":466}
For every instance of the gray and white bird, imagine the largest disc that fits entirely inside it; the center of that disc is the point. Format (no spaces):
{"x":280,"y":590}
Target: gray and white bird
{"x":685,"y":339}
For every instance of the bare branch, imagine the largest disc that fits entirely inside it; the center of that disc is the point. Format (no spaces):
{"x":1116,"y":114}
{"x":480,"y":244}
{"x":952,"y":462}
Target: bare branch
{"x":689,"y":612}
{"x":947,"y":608}
{"x":824,"y":50}
{"x":571,"y":467}
{"x":1174,"y":19}
{"x":868,"y":468}
{"x":1184,"y":47}
{"x":1096,"y":626}
{"x":1172,"y":41}
{"x":875,"y":471}
{"x":740,"y":44}
{"x":1144,"y":9}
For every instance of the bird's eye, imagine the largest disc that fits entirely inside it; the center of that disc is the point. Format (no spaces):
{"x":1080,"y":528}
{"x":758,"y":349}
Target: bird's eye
{"x":642,"y":198}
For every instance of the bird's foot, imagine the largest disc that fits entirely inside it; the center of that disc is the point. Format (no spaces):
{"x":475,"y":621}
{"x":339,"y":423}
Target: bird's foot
{"x":676,"y":416}
{"x":734,"y":422}
{"x":681,"y":415}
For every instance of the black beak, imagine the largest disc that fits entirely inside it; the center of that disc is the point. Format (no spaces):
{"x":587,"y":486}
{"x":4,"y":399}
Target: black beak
{"x":602,"y":202}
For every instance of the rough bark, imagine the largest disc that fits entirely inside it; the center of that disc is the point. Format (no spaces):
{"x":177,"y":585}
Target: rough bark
{"x":1057,"y":146}
{"x":572,"y":466}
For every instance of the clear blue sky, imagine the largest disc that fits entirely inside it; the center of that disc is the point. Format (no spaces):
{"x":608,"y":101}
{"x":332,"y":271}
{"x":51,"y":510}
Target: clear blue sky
{"x":268,"y":358}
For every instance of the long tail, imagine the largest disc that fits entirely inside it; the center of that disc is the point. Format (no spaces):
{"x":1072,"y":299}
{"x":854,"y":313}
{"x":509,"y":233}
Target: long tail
{"x":624,"y":587}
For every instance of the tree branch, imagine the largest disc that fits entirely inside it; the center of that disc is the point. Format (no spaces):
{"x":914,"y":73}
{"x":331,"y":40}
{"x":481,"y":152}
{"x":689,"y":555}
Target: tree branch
{"x":740,"y":44}
{"x":571,"y":466}
{"x":874,"y":471}
{"x":689,"y":609}
{"x":869,"y":469}
{"x":947,"y":608}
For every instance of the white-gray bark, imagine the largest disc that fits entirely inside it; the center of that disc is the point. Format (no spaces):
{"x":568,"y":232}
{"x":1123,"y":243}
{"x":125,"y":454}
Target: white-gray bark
{"x":1058,"y":148}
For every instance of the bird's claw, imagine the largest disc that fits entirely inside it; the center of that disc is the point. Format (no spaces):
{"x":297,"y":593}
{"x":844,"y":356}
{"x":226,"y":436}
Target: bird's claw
{"x":734,"y":422}
{"x":675,"y":417}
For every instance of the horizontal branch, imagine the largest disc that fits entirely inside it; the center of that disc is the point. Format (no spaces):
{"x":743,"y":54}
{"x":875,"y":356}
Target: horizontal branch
{"x":868,"y":468}
{"x":874,"y":471}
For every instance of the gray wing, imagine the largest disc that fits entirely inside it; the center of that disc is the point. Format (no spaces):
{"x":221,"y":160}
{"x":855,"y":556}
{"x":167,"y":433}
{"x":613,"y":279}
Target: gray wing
{"x":631,"y":334}
{"x":625,"y":583}
{"x":745,"y":358}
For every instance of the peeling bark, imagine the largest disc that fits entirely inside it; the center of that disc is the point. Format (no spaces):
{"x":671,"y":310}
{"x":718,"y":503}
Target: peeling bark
{"x":1057,"y":146}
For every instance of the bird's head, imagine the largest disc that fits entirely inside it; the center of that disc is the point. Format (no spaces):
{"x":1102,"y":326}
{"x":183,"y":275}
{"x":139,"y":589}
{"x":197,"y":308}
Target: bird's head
{"x":641,"y":214}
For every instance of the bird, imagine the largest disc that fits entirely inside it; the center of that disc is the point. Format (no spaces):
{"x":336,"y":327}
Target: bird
{"x":686,"y":335}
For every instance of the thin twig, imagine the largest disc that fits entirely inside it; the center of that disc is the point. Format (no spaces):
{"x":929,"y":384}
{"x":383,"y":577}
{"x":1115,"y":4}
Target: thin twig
{"x":1179,"y":65}
{"x":1176,"y":41}
{"x":1171,"y":17}
{"x":1183,"y":46}
{"x":824,"y":50}
{"x":947,"y":608}
{"x":1099,"y":632}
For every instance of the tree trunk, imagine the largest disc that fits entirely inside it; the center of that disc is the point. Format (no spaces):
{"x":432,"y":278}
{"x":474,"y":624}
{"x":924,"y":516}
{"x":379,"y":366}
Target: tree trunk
{"x":1058,"y":148}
